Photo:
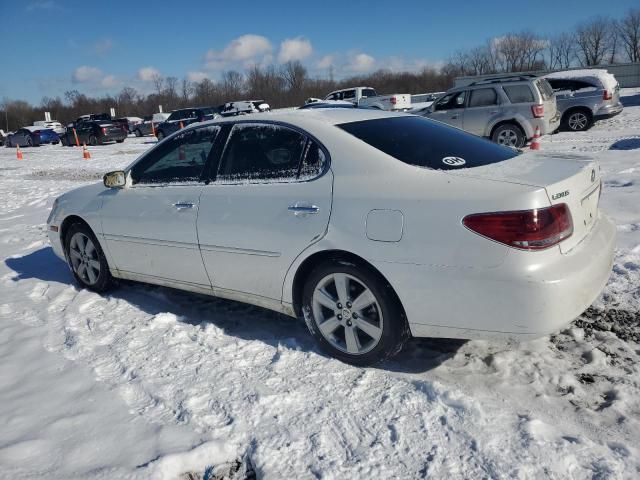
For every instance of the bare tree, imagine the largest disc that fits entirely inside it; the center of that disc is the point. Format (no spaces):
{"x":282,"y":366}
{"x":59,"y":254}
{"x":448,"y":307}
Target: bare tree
{"x":593,"y":40}
{"x":294,"y":75}
{"x":186,"y":90}
{"x":232,"y":84}
{"x":562,"y":51}
{"x":158,"y":82}
{"x":517,"y":52}
{"x":629,"y":33}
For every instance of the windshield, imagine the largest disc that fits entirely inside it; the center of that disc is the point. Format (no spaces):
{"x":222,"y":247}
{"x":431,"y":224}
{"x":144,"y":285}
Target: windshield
{"x":427,"y":143}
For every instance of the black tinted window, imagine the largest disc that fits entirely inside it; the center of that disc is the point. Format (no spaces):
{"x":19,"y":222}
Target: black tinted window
{"x":175,"y":115}
{"x":368,"y":92}
{"x":261,"y":152}
{"x":349,"y":94}
{"x":425,"y":143}
{"x":180,"y":158}
{"x":483,"y":97}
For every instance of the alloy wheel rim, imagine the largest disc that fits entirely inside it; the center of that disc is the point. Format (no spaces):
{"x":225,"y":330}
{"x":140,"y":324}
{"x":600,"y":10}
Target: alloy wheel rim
{"x":347,"y":314}
{"x":84,"y":258}
{"x":508,"y":137}
{"x":577,"y":121}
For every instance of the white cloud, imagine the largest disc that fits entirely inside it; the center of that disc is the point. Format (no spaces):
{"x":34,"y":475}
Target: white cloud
{"x":196,"y":76}
{"x":102,"y":46}
{"x":326,"y":62}
{"x":109,"y":81}
{"x":247,"y":49}
{"x":361,"y":63}
{"x":41,"y":5}
{"x":147,"y":74}
{"x":86,"y":74}
{"x":293,"y":49}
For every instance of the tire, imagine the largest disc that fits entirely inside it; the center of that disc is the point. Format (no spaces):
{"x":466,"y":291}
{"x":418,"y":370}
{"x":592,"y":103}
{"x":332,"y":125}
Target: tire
{"x":577,"y":120}
{"x":7,"y":143}
{"x":160,"y":135}
{"x":119,"y":141}
{"x":338,"y":328}
{"x":510,"y":135}
{"x":29,"y":142}
{"x":93,"y":141}
{"x":87,"y":261}
{"x":138,"y":132}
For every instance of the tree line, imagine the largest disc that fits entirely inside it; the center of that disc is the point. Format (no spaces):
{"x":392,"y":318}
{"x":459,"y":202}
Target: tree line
{"x":601,"y":40}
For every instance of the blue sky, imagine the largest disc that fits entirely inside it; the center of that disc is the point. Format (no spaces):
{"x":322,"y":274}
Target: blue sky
{"x":50,"y":46}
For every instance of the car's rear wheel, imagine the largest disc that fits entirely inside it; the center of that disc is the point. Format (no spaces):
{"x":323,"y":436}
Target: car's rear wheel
{"x":86,"y":258}
{"x":29,"y":142}
{"x":578,"y":120}
{"x":119,"y":141}
{"x":93,"y":140}
{"x":510,"y":135}
{"x":7,"y":143}
{"x":353,"y":313}
{"x":138,"y":132}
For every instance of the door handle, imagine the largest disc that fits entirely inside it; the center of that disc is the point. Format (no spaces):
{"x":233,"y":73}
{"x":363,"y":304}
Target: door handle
{"x":303,"y":209}
{"x":183,"y":205}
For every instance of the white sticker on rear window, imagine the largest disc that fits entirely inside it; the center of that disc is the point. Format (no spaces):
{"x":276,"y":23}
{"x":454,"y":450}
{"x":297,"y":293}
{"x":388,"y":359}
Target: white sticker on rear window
{"x":453,"y":161}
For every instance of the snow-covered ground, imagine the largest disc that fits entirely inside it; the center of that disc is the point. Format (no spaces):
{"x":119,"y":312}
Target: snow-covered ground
{"x":147,"y":382}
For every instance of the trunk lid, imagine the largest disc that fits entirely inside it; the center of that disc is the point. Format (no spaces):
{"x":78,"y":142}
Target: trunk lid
{"x":570,"y":179}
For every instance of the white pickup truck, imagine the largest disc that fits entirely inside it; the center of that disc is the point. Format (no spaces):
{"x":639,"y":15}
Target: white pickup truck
{"x":367,"y":97}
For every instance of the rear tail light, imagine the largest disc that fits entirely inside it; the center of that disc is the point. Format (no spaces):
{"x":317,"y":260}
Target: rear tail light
{"x":535,"y":229}
{"x":537,"y":110}
{"x":607,"y":95}
{"x":394,"y":100}
{"x":104,"y":130}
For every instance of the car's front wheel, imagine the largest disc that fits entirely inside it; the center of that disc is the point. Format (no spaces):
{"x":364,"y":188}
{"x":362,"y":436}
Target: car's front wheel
{"x":93,"y":140}
{"x":86,"y":258}
{"x":138,"y":132}
{"x":353,"y":313}
{"x":509,"y":135}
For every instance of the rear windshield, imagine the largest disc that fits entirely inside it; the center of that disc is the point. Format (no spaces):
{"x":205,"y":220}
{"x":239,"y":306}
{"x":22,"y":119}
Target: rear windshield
{"x":427,"y":143}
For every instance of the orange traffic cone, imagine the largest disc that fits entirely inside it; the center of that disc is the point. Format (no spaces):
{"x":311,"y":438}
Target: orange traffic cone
{"x":85,"y":152}
{"x":18,"y":152}
{"x":153,"y":130}
{"x":535,"y":142}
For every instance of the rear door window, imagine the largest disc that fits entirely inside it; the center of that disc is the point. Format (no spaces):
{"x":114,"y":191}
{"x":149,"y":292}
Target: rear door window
{"x":348,"y":94}
{"x":519,"y":93}
{"x":368,"y":92}
{"x":261,"y":152}
{"x":426,"y":143}
{"x":483,"y":97}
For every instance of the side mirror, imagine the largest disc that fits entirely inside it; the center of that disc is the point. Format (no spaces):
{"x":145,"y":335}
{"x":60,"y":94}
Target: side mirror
{"x":117,"y":179}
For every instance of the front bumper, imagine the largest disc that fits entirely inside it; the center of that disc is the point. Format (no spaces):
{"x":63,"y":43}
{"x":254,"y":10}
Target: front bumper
{"x":56,"y":242}
{"x":530,"y":295}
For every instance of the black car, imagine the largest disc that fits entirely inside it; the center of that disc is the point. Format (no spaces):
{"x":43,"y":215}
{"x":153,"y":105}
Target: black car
{"x":93,"y":132}
{"x":183,"y":117}
{"x":23,"y":138}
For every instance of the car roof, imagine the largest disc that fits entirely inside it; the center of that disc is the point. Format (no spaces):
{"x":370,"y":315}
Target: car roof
{"x":331,"y":116}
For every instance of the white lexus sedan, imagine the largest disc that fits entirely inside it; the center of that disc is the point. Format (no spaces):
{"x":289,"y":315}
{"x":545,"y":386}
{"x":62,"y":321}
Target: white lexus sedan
{"x":372,"y":226}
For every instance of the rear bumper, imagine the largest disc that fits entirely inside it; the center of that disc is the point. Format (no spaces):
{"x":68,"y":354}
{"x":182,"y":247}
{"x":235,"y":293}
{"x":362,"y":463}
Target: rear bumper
{"x":607,"y":111}
{"x":530,"y":295}
{"x":547,"y":126}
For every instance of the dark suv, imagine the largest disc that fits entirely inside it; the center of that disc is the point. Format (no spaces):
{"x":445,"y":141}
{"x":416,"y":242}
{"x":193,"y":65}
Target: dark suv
{"x":93,"y":132}
{"x":183,"y":117}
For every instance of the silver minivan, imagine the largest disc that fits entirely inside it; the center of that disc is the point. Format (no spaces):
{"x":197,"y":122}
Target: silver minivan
{"x":505,"y":109}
